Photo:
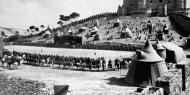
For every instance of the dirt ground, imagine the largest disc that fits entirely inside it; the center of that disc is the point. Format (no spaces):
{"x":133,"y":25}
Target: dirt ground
{"x":78,"y":81}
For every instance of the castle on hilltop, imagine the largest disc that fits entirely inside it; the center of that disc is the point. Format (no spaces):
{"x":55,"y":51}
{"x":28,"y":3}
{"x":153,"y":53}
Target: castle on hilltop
{"x":153,"y":7}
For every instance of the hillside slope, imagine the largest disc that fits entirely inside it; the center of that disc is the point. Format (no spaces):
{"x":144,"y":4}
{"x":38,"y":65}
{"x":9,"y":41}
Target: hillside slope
{"x":109,"y":33}
{"x":12,"y":31}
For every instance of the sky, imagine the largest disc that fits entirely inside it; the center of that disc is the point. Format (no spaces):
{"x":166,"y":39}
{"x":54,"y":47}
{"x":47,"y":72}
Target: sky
{"x":24,"y":13}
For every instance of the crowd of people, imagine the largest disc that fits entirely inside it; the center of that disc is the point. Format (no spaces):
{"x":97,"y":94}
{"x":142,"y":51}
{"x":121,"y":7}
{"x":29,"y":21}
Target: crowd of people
{"x":80,"y":63}
{"x":104,"y":46}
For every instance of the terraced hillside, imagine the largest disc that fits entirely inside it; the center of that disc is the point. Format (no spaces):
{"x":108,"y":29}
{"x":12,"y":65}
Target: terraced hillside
{"x":13,"y":31}
{"x":138,"y":26}
{"x":108,"y":32}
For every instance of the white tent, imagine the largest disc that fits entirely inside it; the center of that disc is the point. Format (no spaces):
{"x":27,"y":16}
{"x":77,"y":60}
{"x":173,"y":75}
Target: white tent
{"x":174,"y":53}
{"x":126,"y":33}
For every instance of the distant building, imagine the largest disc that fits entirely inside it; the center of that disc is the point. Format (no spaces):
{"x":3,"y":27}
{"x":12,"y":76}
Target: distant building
{"x":153,"y":7}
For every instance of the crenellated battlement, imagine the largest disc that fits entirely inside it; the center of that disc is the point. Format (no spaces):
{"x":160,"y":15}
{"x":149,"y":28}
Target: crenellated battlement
{"x":153,"y":7}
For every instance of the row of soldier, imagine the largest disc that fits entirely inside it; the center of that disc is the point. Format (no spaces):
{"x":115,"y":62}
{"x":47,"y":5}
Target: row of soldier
{"x":103,"y":46}
{"x":79,"y":63}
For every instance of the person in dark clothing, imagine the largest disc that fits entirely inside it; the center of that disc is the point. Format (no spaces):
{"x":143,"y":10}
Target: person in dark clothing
{"x":110,"y":64}
{"x":90,"y":65}
{"x":122,"y":63}
{"x":149,"y":26}
{"x":117,"y":64}
{"x":103,"y":64}
{"x":88,"y":61}
{"x":98,"y":64}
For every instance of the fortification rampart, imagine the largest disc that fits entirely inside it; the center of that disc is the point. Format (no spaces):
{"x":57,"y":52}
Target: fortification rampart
{"x":96,"y":16}
{"x":176,"y":82}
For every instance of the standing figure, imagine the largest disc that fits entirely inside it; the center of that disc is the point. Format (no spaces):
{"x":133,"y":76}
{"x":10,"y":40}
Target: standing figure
{"x":149,"y":26}
{"x":117,"y":64}
{"x":110,"y":64}
{"x":103,"y":64}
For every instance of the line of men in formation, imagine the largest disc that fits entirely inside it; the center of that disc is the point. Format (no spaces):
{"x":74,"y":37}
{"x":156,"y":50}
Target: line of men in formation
{"x":66,"y":61}
{"x":104,"y":46}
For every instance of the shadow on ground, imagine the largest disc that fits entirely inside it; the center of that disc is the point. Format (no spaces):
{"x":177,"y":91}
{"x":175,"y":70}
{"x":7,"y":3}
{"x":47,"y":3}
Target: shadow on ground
{"x":79,"y":69}
{"x":6,"y":68}
{"x":117,"y":81}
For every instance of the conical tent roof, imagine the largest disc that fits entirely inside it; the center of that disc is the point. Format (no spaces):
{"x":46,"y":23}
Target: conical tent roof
{"x":148,"y":54}
{"x":158,"y":46}
{"x":146,"y":67}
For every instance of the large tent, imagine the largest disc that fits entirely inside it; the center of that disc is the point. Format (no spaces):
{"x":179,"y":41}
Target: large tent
{"x":126,"y":33}
{"x":174,"y":53}
{"x":146,"y":67}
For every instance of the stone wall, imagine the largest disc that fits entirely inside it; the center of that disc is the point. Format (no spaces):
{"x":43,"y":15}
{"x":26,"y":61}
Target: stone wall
{"x":176,"y":82}
{"x":10,"y":85}
{"x":187,"y":84}
{"x":149,"y":90}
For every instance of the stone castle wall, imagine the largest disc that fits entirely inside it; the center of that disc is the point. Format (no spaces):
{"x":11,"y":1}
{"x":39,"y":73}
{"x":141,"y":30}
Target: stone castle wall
{"x":16,"y":86}
{"x":166,"y":6}
{"x":176,"y":83}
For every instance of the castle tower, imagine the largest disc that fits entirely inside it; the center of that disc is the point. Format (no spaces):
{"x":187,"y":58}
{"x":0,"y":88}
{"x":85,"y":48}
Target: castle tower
{"x":185,"y":4}
{"x":141,"y":3}
{"x":161,"y":7}
{"x":126,"y":3}
{"x":180,"y":4}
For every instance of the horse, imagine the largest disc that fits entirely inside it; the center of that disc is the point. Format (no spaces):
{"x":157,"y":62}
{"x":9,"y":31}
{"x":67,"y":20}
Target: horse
{"x":11,"y":61}
{"x":42,"y":61}
{"x":3,"y":59}
{"x":49,"y":61}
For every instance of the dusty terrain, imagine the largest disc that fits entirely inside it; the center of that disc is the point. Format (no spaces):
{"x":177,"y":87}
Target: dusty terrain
{"x":80,"y":82}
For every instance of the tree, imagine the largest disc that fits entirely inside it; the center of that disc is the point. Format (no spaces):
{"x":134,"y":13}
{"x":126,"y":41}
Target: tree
{"x":3,"y":33}
{"x":74,"y":15}
{"x":42,"y":26}
{"x":36,"y":28}
{"x":32,"y":27}
{"x":28,"y":30}
{"x":60,"y":23}
{"x":17,"y":33}
{"x":61,"y":17}
{"x":64,"y":18}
